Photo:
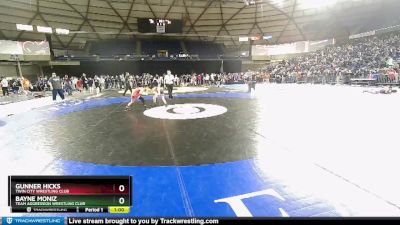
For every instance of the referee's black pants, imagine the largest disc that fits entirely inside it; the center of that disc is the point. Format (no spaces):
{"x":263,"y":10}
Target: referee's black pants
{"x":170,"y":87}
{"x":251,"y":85}
{"x":5,"y":91}
{"x":127,"y":87}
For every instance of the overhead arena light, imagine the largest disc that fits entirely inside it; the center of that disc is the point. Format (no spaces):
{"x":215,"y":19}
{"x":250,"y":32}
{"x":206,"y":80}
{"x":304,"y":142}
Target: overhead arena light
{"x":255,"y":38}
{"x":44,"y":29}
{"x":267,"y":37}
{"x":243,"y":39}
{"x":249,"y":2}
{"x":278,"y":3}
{"x":24,"y":27}
{"x":315,"y":4}
{"x":62,"y":31}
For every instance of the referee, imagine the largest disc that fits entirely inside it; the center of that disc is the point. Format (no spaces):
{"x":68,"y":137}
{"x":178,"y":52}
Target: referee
{"x":128,"y":86}
{"x":169,"y":83}
{"x":251,"y":82}
{"x":56,"y":86}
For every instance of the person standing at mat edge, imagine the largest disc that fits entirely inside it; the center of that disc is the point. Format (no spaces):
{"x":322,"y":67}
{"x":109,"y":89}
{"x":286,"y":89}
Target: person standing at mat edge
{"x":251,"y":82}
{"x":56,"y":86}
{"x":128,"y":85}
{"x":4,"y":86}
{"x":169,"y":83}
{"x":84,"y":81}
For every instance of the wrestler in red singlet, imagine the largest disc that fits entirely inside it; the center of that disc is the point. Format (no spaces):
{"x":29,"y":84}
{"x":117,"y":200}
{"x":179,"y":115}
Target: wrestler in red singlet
{"x":136,"y":94}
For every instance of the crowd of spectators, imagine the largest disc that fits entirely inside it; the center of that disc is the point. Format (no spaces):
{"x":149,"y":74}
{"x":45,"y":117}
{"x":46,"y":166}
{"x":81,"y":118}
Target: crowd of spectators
{"x":370,"y":57}
{"x":373,"y":58}
{"x":98,"y":83}
{"x":14,"y":85}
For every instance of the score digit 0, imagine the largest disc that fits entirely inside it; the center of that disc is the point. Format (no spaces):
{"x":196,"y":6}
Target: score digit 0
{"x":121,"y":200}
{"x":121,"y":188}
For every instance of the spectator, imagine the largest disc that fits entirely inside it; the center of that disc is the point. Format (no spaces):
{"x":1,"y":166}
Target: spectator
{"x":67,"y":85}
{"x":4,"y":86}
{"x":56,"y":86}
{"x":84,"y":82}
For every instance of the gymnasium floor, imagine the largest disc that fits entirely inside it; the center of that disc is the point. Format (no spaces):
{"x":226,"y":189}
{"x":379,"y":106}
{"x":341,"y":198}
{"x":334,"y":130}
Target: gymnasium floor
{"x":285,"y":150}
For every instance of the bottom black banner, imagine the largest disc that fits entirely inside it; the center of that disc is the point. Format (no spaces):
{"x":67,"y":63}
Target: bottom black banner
{"x":206,"y":221}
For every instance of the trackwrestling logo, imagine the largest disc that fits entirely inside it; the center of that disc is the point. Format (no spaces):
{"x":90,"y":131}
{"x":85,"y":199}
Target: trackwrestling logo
{"x":34,"y":220}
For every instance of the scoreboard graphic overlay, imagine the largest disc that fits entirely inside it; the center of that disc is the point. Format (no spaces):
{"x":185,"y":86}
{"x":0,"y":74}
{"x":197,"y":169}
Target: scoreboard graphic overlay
{"x":70,"y":194}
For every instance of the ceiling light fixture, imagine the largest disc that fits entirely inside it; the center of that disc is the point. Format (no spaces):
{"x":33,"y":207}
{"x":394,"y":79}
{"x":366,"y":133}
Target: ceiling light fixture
{"x":24,"y":27}
{"x":62,"y":31}
{"x":41,"y":29}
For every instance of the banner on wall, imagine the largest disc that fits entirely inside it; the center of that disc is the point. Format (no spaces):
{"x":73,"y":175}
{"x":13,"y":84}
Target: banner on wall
{"x":365,"y":34}
{"x":290,"y":48}
{"x":317,"y":45}
{"x":282,"y":49}
{"x":10,"y":47}
{"x":35,"y":47}
{"x":24,"y":51}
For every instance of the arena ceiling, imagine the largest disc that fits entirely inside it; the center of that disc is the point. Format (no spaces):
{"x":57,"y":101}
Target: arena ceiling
{"x":214,"y":20}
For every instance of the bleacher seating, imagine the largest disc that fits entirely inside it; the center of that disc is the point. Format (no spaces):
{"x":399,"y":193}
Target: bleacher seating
{"x":151,"y":47}
{"x":113,"y":47}
{"x":205,"y":50}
